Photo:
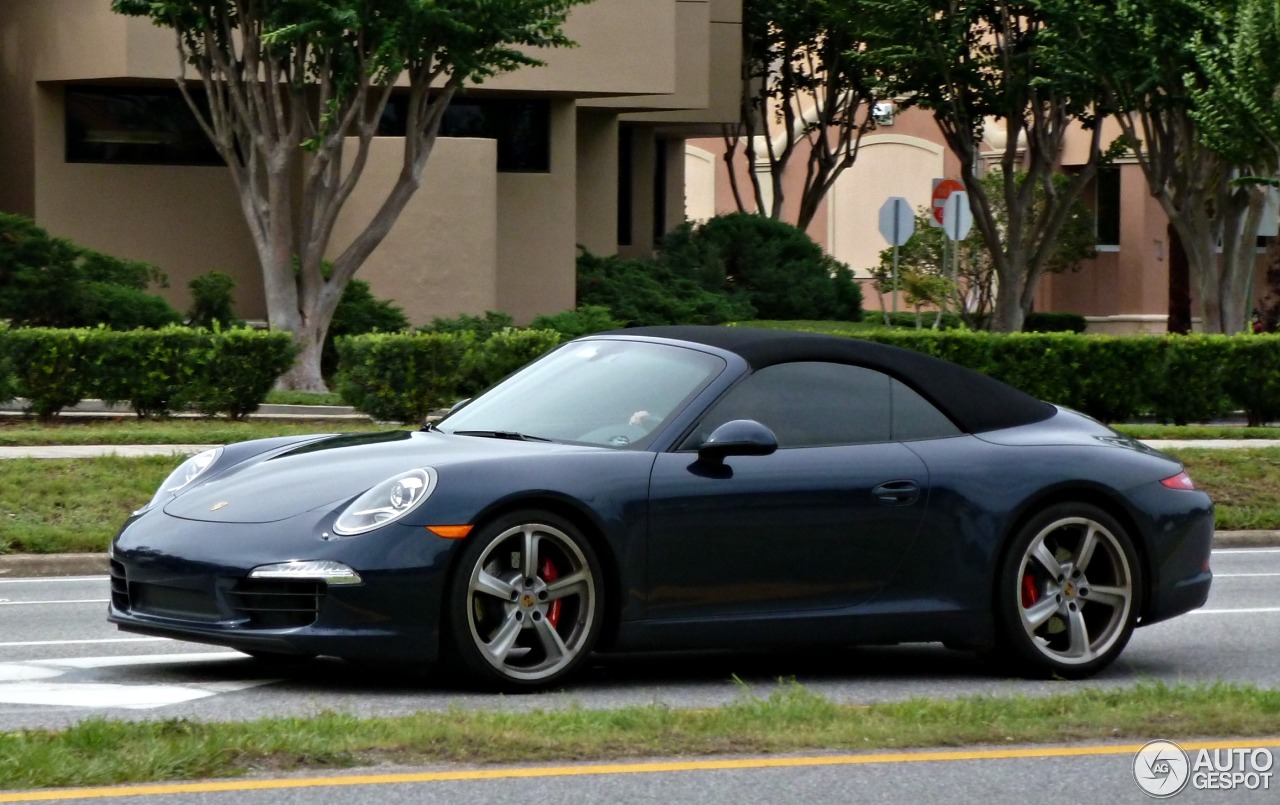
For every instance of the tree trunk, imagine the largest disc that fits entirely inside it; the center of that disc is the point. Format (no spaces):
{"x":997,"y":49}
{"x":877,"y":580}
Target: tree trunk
{"x":1007,"y":315}
{"x":1179,"y":320}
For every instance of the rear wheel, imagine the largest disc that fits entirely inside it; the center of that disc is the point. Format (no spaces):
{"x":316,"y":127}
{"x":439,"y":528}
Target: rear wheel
{"x":1068,"y":592}
{"x":525,"y":605}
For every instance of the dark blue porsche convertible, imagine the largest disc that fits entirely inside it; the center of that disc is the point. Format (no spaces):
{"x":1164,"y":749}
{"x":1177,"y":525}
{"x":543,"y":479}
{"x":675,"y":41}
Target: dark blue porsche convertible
{"x":680,"y":488}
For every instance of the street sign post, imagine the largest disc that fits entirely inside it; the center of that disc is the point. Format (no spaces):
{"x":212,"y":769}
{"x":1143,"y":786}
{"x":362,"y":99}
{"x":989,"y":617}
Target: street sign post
{"x":897,"y":225}
{"x":957,"y":217}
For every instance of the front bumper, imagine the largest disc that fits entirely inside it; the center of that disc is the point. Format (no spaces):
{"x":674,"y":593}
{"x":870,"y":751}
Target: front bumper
{"x":190,"y":580}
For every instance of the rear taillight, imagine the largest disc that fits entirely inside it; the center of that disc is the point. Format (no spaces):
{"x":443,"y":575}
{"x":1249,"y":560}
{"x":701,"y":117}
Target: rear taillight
{"x":1179,"y":481}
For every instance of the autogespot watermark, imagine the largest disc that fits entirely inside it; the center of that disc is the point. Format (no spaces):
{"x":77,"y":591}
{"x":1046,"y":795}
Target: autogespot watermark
{"x":1163,"y":769}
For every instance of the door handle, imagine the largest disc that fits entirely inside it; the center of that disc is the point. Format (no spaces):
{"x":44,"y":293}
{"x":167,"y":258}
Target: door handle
{"x":897,"y":493}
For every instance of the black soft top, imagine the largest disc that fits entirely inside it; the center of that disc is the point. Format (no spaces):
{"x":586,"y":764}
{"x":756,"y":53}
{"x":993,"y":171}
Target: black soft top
{"x":975,"y":402}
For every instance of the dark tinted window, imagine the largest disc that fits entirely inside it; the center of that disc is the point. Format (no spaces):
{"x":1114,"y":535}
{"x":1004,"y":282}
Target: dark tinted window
{"x":521,"y":127}
{"x":135,"y":127}
{"x":808,"y":404}
{"x":813,"y":404}
{"x":914,"y":417}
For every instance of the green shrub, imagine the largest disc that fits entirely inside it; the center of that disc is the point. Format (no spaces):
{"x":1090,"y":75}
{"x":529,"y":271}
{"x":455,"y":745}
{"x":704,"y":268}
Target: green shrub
{"x":1251,"y":375}
{"x":122,"y":308}
{"x":645,"y":292}
{"x":212,"y":300}
{"x":770,"y":264}
{"x":8,"y":383}
{"x":401,"y":377}
{"x":49,"y":367}
{"x":1192,"y":386}
{"x":481,"y":328}
{"x":572,"y":324}
{"x":51,"y":282}
{"x":1054,"y":323}
{"x":359,"y":312}
{"x":149,"y":369}
{"x":487,"y":362}
{"x":234,"y":370}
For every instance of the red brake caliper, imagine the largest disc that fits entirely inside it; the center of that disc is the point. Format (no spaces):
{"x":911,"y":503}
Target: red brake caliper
{"x":1030,"y":594}
{"x":550,"y":574}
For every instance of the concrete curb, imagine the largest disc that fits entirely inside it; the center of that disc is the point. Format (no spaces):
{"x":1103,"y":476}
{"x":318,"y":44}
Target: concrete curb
{"x":95,"y":564}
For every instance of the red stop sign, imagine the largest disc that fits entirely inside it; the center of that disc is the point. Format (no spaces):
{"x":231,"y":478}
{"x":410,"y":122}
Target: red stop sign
{"x":941,"y":190}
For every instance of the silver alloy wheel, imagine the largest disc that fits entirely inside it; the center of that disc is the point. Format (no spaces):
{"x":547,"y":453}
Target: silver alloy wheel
{"x":531,"y":602}
{"x":1075,"y":591}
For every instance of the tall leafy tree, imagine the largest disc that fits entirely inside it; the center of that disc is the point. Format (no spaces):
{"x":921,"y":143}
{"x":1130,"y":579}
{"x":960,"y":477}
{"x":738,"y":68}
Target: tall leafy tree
{"x":1145,"y":54}
{"x":980,"y":65}
{"x":805,"y":96}
{"x":1237,"y":107}
{"x":291,"y":93}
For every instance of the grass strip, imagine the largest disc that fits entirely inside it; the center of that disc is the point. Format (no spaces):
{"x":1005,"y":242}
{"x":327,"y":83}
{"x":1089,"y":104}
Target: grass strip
{"x":1242,"y":482}
{"x":16,"y":432}
{"x":279,"y":397}
{"x":788,"y":719}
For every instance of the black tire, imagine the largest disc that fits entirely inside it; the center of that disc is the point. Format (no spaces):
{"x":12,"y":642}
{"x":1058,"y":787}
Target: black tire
{"x":1068,"y":593}
{"x":526,"y":602}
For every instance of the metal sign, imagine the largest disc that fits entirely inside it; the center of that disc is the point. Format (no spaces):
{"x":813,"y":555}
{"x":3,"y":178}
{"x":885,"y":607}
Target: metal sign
{"x":942,"y":189}
{"x":897,"y":223}
{"x":957,"y":217}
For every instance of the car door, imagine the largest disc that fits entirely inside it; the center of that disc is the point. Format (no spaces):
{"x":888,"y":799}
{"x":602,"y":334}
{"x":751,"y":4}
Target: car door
{"x":822,"y":523}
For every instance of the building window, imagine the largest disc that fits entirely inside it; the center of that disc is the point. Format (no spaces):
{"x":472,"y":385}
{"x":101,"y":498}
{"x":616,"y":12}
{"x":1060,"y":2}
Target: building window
{"x":151,"y":126}
{"x":521,"y":127}
{"x":1107,"y":207}
{"x":154,"y":126}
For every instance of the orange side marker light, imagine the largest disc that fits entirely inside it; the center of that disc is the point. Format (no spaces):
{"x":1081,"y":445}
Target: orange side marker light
{"x":450,"y":531}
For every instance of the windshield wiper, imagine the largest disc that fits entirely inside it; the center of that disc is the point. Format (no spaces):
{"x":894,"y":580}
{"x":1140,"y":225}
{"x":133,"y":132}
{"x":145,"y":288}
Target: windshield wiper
{"x":501,"y":434}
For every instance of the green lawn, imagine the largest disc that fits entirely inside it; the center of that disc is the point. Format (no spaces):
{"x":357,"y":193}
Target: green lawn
{"x":18,"y":431}
{"x":789,"y":719}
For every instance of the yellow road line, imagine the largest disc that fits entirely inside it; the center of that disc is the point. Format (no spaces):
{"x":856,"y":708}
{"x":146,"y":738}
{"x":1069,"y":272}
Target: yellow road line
{"x":64,"y":794}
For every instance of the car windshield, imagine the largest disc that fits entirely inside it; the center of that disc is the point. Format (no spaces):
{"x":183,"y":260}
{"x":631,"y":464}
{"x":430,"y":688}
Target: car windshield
{"x":602,"y":392}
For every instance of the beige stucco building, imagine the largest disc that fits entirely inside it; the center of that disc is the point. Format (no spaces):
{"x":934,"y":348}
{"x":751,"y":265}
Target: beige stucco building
{"x":596,"y":158}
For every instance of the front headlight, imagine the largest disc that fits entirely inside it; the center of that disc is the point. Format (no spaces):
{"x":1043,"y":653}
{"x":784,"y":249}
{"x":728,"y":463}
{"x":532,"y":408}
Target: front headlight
{"x":184,"y":476}
{"x":386,"y":502}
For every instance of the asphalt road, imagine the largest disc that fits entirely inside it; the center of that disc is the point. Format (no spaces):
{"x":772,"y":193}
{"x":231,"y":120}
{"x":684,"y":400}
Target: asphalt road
{"x":61,"y":662}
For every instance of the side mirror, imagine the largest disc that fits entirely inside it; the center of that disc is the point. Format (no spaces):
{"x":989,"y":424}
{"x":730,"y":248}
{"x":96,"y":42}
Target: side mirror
{"x":737,"y":437}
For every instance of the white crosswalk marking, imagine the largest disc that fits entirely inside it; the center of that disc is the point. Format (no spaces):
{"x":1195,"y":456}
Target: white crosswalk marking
{"x":41,"y":682}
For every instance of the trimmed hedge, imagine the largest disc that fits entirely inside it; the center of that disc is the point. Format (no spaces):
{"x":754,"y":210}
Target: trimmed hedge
{"x":155,"y":371}
{"x":403,"y":377}
{"x":1175,"y":378}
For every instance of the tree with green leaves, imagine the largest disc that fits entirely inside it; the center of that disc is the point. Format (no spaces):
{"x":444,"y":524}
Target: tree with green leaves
{"x":1237,"y":108}
{"x":291,"y":93}
{"x":983,"y":67}
{"x":1154,"y":59}
{"x":804,"y":95}
{"x":963,"y":274}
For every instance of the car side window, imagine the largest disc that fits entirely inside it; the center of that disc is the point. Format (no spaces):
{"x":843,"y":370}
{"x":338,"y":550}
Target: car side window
{"x":808,"y":404}
{"x":915,"y":418}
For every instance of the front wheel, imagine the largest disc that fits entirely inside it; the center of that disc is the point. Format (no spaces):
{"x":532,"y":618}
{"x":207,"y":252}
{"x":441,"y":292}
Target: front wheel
{"x":525,"y":605}
{"x":1068,"y":592}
